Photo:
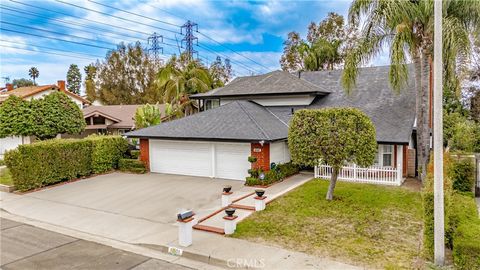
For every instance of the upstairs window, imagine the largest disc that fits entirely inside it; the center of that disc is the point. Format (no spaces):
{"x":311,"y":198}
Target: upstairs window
{"x":211,"y":103}
{"x":99,"y":120}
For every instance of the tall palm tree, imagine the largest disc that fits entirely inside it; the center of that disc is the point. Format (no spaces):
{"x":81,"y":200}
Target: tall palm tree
{"x":181,"y":78}
{"x":407,"y":27}
{"x":320,"y":55}
{"x":33,"y":73}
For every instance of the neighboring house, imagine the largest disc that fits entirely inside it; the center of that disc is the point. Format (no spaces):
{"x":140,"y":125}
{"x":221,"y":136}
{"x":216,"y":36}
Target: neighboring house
{"x":111,"y":119}
{"x":29,"y":93}
{"x":250,"y":116}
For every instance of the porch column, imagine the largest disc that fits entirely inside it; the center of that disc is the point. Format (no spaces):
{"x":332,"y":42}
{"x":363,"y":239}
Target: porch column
{"x":399,"y":164}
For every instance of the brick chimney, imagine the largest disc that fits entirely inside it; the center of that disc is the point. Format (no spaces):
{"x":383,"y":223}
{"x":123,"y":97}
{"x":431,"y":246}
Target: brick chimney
{"x":9,"y":86}
{"x":61,"y":85}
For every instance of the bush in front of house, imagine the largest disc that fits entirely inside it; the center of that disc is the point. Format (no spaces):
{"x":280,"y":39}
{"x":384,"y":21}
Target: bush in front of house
{"x":131,"y":165}
{"x":463,"y":175}
{"x":106,"y":152}
{"x":135,"y":154}
{"x":278,"y":173}
{"x":465,"y":226}
{"x":48,"y":162}
{"x":52,"y":161}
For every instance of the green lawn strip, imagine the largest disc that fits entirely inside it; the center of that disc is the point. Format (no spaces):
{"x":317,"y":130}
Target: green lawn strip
{"x":6,"y":177}
{"x":365,"y":224}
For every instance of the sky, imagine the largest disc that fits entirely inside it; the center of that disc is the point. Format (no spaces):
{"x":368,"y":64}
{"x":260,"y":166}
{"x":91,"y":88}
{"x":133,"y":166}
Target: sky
{"x":249,"y":33}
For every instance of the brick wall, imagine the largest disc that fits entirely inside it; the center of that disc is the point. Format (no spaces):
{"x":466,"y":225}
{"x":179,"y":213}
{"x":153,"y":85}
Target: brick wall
{"x":144,"y":152}
{"x":411,"y":155}
{"x":262,"y":153}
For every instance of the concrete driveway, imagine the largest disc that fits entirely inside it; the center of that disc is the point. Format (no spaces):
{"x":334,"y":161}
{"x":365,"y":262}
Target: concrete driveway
{"x":154,"y":197}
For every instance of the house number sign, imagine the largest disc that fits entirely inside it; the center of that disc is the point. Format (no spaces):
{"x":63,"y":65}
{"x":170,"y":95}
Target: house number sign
{"x":257,"y":150}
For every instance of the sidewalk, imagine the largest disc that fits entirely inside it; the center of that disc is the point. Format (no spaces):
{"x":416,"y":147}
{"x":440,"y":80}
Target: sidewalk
{"x":207,"y":247}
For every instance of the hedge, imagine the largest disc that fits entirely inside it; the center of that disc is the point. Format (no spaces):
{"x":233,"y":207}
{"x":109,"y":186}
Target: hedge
{"x":463,"y":175}
{"x":106,"y":152}
{"x":278,"y":173}
{"x":131,"y":165}
{"x":465,"y":225}
{"x":48,"y":162}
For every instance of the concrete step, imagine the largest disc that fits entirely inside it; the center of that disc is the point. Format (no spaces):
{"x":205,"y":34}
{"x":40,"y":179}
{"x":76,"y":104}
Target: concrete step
{"x":209,"y":229}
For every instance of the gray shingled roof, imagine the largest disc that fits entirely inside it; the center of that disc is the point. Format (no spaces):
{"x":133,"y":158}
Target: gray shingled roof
{"x":276,"y":82}
{"x":236,"y":121}
{"x":393,"y":114}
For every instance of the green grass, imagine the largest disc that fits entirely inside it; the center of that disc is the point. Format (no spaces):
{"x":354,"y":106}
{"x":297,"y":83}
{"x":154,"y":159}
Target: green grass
{"x":6,"y":177}
{"x":368,"y":225}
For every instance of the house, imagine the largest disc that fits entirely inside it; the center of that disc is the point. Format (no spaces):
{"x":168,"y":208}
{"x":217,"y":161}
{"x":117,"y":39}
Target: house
{"x":29,"y":93}
{"x":111,"y":119}
{"x":250,"y":116}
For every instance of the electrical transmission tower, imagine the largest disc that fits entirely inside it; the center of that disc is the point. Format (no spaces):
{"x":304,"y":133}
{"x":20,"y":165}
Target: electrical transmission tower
{"x":154,"y":41}
{"x":189,"y":38}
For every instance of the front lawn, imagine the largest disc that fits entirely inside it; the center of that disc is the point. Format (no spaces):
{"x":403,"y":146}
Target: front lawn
{"x":6,"y":177}
{"x":369,"y":225}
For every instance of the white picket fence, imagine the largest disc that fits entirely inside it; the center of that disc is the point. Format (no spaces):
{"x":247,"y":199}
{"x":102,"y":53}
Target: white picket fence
{"x":373,"y":174}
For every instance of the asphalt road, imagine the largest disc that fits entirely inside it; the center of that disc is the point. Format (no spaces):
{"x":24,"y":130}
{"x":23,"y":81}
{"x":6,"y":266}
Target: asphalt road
{"x":27,"y":247}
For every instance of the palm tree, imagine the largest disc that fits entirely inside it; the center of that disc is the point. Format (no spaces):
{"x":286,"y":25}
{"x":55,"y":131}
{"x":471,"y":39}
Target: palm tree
{"x":321,"y":55}
{"x":181,"y":78}
{"x":407,"y":27}
{"x":33,"y":73}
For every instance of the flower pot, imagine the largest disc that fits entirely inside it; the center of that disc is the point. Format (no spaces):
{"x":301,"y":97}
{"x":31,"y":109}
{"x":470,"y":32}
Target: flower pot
{"x":230,"y":211}
{"x":260,"y":192}
{"x":227,"y":189}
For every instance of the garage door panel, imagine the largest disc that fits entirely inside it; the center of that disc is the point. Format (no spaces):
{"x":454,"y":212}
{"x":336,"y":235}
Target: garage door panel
{"x":232,"y":160}
{"x":185,"y":158}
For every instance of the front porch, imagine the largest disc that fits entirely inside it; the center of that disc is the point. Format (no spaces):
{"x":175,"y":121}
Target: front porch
{"x":390,"y":168}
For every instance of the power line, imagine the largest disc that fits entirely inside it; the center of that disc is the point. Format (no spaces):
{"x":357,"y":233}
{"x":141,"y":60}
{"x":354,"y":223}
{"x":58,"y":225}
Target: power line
{"x":154,"y":46}
{"x":89,"y":20}
{"x":50,"y":48}
{"x":61,"y":54}
{"x":189,"y":38}
{"x":57,"y":33}
{"x":132,"y":13}
{"x":33,"y":14}
{"x":234,"y":51}
{"x":114,"y":16}
{"x":240,"y":64}
{"x":53,"y":38}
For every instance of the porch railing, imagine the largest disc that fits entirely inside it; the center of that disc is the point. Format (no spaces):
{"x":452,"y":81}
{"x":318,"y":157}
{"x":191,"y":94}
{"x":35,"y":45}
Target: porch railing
{"x":373,"y":174}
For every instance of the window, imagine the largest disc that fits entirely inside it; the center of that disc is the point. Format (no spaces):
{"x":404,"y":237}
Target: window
{"x":99,"y":120}
{"x":211,"y":103}
{"x":387,"y":155}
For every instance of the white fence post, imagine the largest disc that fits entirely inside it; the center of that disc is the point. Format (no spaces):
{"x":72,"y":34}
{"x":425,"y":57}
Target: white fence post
{"x":355,"y":172}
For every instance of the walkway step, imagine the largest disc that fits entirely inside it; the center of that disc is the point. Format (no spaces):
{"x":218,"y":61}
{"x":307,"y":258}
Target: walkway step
{"x":209,"y":228}
{"x":244,"y":207}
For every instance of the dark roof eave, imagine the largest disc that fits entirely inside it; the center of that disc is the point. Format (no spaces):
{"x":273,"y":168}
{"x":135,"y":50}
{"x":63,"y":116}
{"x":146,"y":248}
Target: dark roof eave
{"x":259,"y":94}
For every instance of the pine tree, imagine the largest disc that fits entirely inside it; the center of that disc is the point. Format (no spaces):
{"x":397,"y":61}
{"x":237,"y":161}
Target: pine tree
{"x":74,"y":79}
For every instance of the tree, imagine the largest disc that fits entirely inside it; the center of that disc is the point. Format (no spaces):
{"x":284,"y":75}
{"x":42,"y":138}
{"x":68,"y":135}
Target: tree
{"x":324,"y":48}
{"x":90,"y":89}
{"x":22,"y":82}
{"x":33,"y":73}
{"x":407,"y":26}
{"x":147,"y":115}
{"x":74,"y":79}
{"x":179,"y":79}
{"x":53,"y":114}
{"x":16,"y":117}
{"x":335,"y":136}
{"x":220,"y":72}
{"x":126,"y":76}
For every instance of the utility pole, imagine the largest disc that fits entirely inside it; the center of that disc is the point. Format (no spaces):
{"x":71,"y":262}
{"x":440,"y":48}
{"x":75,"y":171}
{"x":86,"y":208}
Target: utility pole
{"x":438,"y":210}
{"x":154,"y":41}
{"x":189,"y":38}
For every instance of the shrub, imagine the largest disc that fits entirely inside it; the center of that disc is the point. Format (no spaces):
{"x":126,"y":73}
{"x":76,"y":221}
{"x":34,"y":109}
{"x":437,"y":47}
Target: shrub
{"x":106,"y":152}
{"x":135,"y":154}
{"x":427,"y":196}
{"x":252,"y":181}
{"x":2,"y":162}
{"x":463,"y":175}
{"x":288,"y":169}
{"x":279,"y":172}
{"x":466,"y":232}
{"x":44,"y":163}
{"x":131,"y":165}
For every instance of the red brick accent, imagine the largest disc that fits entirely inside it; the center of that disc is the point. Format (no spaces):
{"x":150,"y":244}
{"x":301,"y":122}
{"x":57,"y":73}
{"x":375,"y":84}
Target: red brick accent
{"x":9,"y":86}
{"x":61,"y":85}
{"x":144,"y":152}
{"x":263,"y":156}
{"x":411,"y":155}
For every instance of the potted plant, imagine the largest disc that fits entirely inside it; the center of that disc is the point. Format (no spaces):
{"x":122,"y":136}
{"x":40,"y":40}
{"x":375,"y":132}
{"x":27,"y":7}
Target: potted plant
{"x":260,"y":192}
{"x":230,"y":212}
{"x":227,"y":189}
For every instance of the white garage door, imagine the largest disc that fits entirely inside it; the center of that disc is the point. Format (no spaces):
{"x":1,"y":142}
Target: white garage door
{"x":232,"y":160}
{"x":180,"y":157}
{"x":219,"y":160}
